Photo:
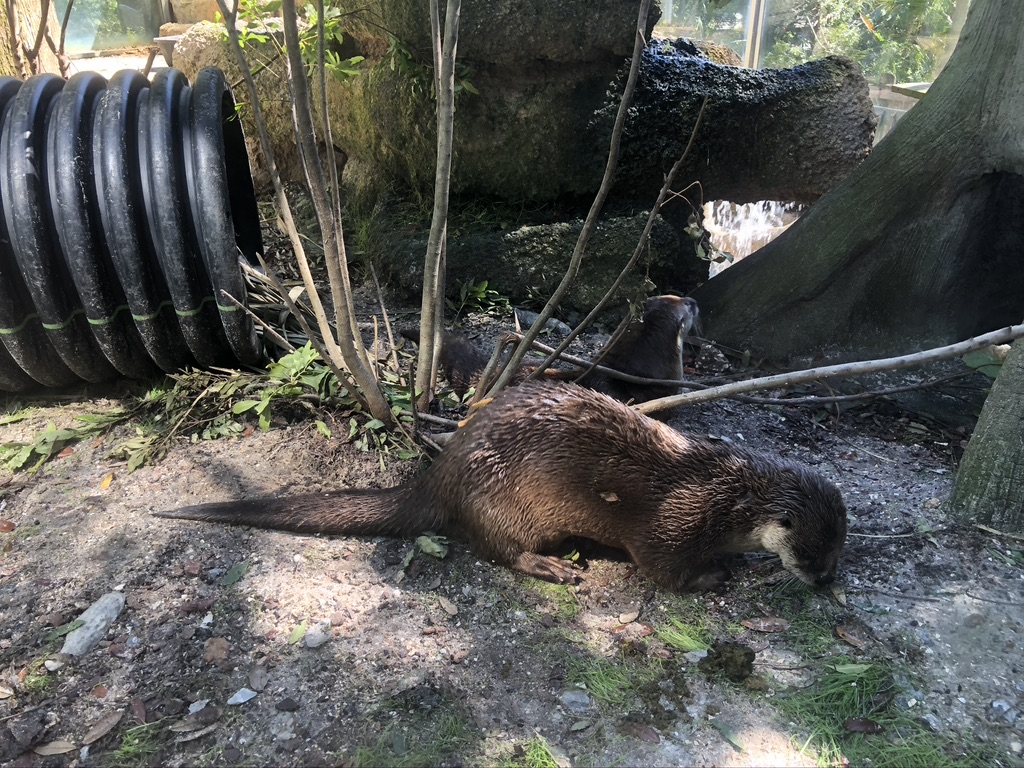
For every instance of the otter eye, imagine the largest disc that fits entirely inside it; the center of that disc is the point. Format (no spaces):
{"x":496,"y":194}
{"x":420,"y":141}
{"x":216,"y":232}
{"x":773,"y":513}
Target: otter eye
{"x":785,"y":522}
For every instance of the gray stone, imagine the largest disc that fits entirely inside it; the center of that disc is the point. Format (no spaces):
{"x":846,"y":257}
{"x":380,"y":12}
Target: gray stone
{"x":933,"y":722}
{"x":1003,"y":710}
{"x":575,"y":700}
{"x":97,"y":617}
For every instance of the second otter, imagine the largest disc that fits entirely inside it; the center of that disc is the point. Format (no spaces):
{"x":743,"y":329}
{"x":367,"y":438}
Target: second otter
{"x":545,"y":462}
{"x":650,"y":347}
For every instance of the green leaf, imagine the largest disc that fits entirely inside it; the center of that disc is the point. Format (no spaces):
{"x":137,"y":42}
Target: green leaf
{"x":244,"y":405}
{"x":323,"y":429}
{"x":298,"y":633}
{"x":61,"y":631}
{"x":728,"y":734}
{"x":435,"y":546}
{"x":851,"y":669}
{"x":234,"y":574}
{"x":373,"y":424}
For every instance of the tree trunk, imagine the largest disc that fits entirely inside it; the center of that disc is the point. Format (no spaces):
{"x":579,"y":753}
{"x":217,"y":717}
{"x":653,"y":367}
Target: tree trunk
{"x":20,"y":33}
{"x":990,"y":484}
{"x":8,"y":65}
{"x":923,"y":244}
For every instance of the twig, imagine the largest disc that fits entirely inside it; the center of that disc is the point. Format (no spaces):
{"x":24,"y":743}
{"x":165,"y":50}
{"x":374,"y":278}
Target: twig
{"x":995,"y":532}
{"x":865,"y":450}
{"x":590,"y":224}
{"x":328,"y":360}
{"x":1014,"y":603}
{"x":903,"y":596}
{"x":387,"y":320}
{"x":280,"y":340}
{"x":842,"y":370}
{"x":44,"y":19}
{"x":440,"y":420}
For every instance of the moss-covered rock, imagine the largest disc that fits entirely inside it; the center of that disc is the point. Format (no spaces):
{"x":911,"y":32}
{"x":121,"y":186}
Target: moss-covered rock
{"x":526,"y":263}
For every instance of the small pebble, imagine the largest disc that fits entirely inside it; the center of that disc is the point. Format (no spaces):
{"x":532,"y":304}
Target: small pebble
{"x":287,"y":704}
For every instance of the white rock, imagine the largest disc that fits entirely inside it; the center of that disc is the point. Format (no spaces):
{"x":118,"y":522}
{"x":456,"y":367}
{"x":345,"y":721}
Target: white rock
{"x":318,"y":634}
{"x":241,"y":696}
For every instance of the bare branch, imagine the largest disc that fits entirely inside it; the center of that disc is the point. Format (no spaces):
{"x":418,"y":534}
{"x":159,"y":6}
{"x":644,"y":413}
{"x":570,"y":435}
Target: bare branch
{"x":843,"y":370}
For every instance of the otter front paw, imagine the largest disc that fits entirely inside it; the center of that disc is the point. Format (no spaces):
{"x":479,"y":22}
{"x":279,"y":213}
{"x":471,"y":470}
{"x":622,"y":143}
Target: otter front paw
{"x":545,"y":567}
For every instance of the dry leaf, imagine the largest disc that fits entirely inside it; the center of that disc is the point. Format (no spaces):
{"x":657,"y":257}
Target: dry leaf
{"x":845,"y":634}
{"x":448,"y":606}
{"x":258,"y":678}
{"x":6,"y":526}
{"x":643,"y":732}
{"x":55,"y":748}
{"x":100,"y":691}
{"x":216,"y":650}
{"x":839,"y":594}
{"x":626,"y":618}
{"x":862,"y":725}
{"x":69,"y":451}
{"x":103,"y":726}
{"x":139,"y":710}
{"x":767,"y":624}
{"x":107,"y":481}
{"x":6,"y":692}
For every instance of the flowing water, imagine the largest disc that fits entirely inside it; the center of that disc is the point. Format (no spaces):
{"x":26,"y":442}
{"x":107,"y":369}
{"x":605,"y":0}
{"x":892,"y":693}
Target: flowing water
{"x":739,"y":230}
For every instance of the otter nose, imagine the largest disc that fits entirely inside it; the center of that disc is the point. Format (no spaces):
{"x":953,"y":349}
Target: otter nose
{"x":824,"y":581}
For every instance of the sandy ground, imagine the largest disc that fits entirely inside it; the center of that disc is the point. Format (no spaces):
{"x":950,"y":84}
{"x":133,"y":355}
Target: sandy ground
{"x":367,"y":651}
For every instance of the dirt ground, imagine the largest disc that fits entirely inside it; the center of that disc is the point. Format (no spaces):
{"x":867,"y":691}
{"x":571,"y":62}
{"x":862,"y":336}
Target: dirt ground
{"x":370,"y":652}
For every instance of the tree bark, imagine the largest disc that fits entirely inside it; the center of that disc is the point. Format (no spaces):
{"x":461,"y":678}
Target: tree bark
{"x":922,"y":245}
{"x":20,"y":33}
{"x":990,"y":483}
{"x":8,"y":65}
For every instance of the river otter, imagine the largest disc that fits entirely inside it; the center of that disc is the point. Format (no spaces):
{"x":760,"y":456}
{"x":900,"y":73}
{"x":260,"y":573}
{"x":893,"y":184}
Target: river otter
{"x":547,"y":461}
{"x":650,"y":347}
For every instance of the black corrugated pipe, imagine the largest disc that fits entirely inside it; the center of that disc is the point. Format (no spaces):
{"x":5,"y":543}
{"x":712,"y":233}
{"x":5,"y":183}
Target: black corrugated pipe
{"x":126,"y":206}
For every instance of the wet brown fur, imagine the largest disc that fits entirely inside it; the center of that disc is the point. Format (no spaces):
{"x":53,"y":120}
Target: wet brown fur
{"x":547,"y":461}
{"x":650,"y":347}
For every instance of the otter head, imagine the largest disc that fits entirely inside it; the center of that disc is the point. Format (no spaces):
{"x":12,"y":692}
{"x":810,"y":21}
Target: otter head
{"x":680,"y":311}
{"x":802,"y":519}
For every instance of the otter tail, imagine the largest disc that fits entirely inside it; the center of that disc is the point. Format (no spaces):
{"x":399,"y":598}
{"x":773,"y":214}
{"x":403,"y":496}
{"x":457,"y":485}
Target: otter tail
{"x":371,"y":512}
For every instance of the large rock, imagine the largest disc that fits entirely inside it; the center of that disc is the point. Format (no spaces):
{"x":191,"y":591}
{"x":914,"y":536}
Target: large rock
{"x":548,"y":84}
{"x":526,"y":263}
{"x":770,"y":134}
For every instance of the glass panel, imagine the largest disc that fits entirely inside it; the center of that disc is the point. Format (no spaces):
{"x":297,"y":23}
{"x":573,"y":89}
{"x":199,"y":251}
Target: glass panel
{"x":98,"y":25}
{"x":721,"y":21}
{"x":894,"y":41}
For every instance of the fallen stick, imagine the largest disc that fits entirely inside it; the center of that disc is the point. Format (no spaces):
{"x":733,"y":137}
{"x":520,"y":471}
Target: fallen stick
{"x":843,"y":370}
